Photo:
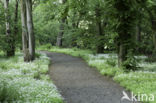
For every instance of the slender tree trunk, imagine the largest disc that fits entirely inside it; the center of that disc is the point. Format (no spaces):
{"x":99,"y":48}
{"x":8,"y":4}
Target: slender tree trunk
{"x":15,"y":24}
{"x":138,"y":34}
{"x":28,"y":37}
{"x":10,"y":51}
{"x":100,"y":45}
{"x":154,"y":41}
{"x":122,"y":54}
{"x":154,"y":33}
{"x":62,"y":23}
{"x":7,"y":17}
{"x":30,"y":29}
{"x":25,"y":37}
{"x":138,"y":37}
{"x":59,"y":37}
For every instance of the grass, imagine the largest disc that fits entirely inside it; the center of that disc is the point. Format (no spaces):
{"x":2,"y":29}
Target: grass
{"x":26,"y":82}
{"x":141,"y":81}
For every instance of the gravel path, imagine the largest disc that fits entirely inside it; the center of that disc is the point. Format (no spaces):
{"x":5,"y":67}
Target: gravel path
{"x":79,"y":83}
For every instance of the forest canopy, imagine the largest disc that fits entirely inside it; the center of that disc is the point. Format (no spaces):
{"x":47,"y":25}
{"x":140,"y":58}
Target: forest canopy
{"x":127,"y":28}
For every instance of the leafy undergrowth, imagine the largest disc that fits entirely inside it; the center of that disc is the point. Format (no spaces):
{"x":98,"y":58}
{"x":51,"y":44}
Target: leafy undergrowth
{"x":22,"y":82}
{"x":140,"y":82}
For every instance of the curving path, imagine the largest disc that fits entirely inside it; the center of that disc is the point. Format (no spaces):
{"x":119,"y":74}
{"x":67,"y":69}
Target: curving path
{"x":79,"y":83}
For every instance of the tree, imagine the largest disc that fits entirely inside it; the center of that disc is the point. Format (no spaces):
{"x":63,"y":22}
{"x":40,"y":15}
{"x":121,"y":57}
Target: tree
{"x":100,"y":44}
{"x":9,"y":36}
{"x":28,"y":38}
{"x":15,"y":24}
{"x":125,"y":11}
{"x":62,"y":24}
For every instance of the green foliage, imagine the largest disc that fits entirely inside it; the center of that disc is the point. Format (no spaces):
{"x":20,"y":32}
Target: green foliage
{"x":45,"y":47}
{"x":37,"y":75}
{"x":46,"y":26}
{"x":37,"y":55}
{"x":111,"y":62}
{"x":152,"y":57}
{"x":7,"y":92}
{"x":3,"y":65}
{"x":130,"y":63}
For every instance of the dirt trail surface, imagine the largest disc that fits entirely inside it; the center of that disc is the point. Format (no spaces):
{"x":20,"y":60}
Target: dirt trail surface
{"x":79,"y":83}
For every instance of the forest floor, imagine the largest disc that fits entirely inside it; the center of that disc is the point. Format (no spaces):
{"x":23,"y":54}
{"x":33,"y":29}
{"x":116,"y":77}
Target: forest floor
{"x":79,"y":83}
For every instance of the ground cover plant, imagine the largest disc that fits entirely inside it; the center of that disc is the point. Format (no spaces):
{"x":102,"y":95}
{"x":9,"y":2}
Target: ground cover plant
{"x":26,"y":82}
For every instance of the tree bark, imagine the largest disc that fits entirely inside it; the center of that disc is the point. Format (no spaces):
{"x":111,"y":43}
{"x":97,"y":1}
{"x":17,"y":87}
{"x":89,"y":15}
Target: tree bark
{"x":138,"y":34}
{"x":25,"y":38}
{"x":100,"y":46}
{"x":30,"y":29}
{"x":121,"y":54}
{"x":59,"y":37}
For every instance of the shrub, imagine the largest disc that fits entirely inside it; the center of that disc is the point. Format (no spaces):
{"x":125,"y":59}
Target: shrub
{"x":130,"y":63}
{"x":45,"y":47}
{"x":37,"y":55}
{"x":37,"y":75}
{"x":151,"y":58}
{"x":111,"y":62}
{"x":3,"y":65}
{"x":8,"y":92}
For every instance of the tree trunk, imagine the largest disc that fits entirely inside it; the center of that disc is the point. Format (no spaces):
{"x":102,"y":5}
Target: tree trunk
{"x":7,"y":17}
{"x":10,"y":50}
{"x":59,"y":37}
{"x":154,"y":32}
{"x":28,"y":37}
{"x":153,"y":22}
{"x":138,"y":34}
{"x":121,"y":54}
{"x":15,"y":24}
{"x":25,"y":38}
{"x":138,"y":37}
{"x":154,"y":41}
{"x":62,"y":23}
{"x":100,"y":45}
{"x":125,"y":30}
{"x":30,"y":29}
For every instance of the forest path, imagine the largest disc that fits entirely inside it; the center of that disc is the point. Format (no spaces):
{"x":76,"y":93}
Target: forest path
{"x":79,"y":83}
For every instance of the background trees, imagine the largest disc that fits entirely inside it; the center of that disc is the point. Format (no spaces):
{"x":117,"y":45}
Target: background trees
{"x":123,"y":27}
{"x":9,"y":35}
{"x":8,"y":26}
